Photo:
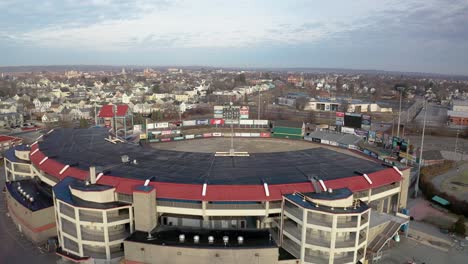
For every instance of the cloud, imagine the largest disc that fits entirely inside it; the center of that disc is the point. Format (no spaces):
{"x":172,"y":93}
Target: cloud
{"x":358,"y":32}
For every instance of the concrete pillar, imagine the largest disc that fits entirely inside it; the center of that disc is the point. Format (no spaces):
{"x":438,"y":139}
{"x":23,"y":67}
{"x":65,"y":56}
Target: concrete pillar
{"x":132,"y":225}
{"x":205,"y":217}
{"x":144,"y":204}
{"x":381,"y":206}
{"x":333,"y":238}
{"x":389,"y":204}
{"x":303,"y":234}
{"x":78,"y":230}
{"x":92,"y":174}
{"x":106,"y":234}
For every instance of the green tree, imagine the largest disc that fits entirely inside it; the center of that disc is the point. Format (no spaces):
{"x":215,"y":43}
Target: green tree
{"x":84,"y":123}
{"x":459,"y":226}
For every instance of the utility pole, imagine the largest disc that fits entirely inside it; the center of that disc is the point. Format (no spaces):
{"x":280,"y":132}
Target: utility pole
{"x":259,"y":106}
{"x":456,"y":141}
{"x":416,"y":186}
{"x":399,"y":115}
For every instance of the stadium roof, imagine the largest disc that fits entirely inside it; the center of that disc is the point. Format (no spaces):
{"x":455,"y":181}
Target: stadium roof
{"x":181,"y":175}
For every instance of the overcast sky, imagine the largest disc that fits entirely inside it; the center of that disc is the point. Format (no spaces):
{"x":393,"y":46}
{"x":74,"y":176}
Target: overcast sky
{"x":401,"y":35}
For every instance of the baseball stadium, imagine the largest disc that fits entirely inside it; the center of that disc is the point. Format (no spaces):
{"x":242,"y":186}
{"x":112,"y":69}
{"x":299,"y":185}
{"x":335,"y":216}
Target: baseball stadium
{"x":271,"y":200}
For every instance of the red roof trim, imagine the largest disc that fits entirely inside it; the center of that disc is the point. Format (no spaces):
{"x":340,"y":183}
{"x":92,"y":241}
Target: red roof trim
{"x":218,"y":192}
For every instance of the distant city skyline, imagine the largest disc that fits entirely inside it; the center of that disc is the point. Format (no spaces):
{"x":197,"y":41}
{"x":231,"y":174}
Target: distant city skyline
{"x":393,"y":35}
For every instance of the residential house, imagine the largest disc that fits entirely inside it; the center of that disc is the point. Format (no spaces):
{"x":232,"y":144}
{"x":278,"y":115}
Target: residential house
{"x":42,"y":104}
{"x":50,"y":118}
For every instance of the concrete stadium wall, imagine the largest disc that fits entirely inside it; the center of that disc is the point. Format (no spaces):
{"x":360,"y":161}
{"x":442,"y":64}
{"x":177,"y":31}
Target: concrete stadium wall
{"x":38,"y":226}
{"x":156,"y":254}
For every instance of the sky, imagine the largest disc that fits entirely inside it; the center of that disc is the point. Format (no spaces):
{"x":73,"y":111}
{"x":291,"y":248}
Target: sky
{"x":396,"y":35}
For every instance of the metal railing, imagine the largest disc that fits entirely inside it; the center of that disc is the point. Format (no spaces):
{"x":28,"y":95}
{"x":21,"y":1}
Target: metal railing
{"x":384,"y":188}
{"x":68,"y":227}
{"x":316,"y":259}
{"x":67,"y":210}
{"x":352,"y":223}
{"x":292,"y":248}
{"x":318,"y":241}
{"x":275,"y":205}
{"x":91,"y":216}
{"x":344,"y":260}
{"x":296,"y":212}
{"x":320,"y":221}
{"x":292,"y":229}
{"x":345,"y":243}
{"x":119,"y":217}
{"x":179,"y":204}
{"x":235,"y":207}
{"x":126,"y":198}
{"x":95,"y":236}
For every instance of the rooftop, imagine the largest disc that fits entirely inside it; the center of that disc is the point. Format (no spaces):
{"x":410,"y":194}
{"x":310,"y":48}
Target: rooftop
{"x":169,"y":236}
{"x":38,"y":191}
{"x":182,"y":175}
{"x":88,"y":147}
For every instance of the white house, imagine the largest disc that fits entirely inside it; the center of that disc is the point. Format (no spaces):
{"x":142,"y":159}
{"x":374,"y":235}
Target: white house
{"x":42,"y":104}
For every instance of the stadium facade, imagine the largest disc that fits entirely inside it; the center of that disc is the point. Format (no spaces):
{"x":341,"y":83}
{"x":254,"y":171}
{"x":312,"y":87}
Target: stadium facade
{"x":109,"y":201}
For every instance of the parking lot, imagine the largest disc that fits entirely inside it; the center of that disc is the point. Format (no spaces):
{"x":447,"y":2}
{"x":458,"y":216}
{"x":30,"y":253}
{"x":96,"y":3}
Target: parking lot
{"x":411,"y":250}
{"x":15,"y":248}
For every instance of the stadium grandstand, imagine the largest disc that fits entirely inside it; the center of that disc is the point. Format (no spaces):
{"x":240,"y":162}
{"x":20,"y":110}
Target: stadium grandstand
{"x":110,"y":201}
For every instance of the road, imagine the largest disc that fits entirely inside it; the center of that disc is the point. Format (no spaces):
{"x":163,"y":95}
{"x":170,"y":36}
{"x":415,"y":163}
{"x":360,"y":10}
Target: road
{"x":15,"y":248}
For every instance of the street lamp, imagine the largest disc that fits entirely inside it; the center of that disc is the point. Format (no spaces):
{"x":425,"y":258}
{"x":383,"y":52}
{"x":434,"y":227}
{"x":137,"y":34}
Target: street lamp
{"x":416,"y":186}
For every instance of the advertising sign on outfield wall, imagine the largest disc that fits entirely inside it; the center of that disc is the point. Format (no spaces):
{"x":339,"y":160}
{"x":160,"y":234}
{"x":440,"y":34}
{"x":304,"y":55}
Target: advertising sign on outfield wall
{"x":203,"y":122}
{"x":165,"y":139}
{"x":136,"y":128}
{"x":207,"y":135}
{"x":198,"y":136}
{"x":255,"y":134}
{"x":333,"y":143}
{"x":178,"y":138}
{"x":189,"y":136}
{"x":143,"y":136}
{"x":161,"y":125}
{"x":245,"y":134}
{"x":154,"y":140}
{"x":246,"y":122}
{"x":217,"y":134}
{"x":347,"y":130}
{"x":265,"y":135}
{"x":217,"y":121}
{"x":324,"y":141}
{"x":151,"y":126}
{"x":261,"y":122}
{"x":189,"y":123}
